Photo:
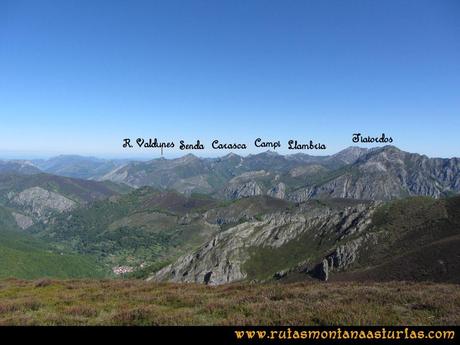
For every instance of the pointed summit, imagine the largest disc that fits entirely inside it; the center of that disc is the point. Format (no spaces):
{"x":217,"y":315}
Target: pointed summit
{"x":231,"y":155}
{"x":270,"y":153}
{"x":190,"y":157}
{"x":350,"y":154}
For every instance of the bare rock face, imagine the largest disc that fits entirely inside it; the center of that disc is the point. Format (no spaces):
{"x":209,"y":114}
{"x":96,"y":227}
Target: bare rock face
{"x":237,"y":191}
{"x":40,"y":203}
{"x":23,"y":221}
{"x":279,"y":191}
{"x":217,"y":262}
{"x":345,"y":254}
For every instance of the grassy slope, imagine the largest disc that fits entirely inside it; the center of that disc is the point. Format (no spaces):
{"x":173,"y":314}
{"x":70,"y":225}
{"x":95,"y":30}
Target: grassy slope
{"x":23,"y":256}
{"x":421,"y":242}
{"x":27,"y":258}
{"x":104,"y":302}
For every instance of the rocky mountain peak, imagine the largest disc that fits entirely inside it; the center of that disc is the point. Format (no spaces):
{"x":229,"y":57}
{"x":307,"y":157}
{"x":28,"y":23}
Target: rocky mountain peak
{"x":270,"y":153}
{"x":350,"y":154}
{"x":188,"y":158}
{"x":231,"y":155}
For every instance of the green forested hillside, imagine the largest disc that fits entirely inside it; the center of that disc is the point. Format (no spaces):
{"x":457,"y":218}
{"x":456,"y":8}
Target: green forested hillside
{"x":23,"y":256}
{"x":145,"y":226}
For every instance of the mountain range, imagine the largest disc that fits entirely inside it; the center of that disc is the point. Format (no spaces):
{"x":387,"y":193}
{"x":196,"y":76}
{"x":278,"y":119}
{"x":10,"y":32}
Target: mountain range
{"x":77,"y":166}
{"x":380,"y":214}
{"x":299,"y":177}
{"x":379,"y":174}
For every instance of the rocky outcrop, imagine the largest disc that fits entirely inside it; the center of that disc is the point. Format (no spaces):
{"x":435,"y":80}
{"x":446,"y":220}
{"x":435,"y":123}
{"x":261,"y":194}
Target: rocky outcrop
{"x":344,"y":256}
{"x":23,"y":221}
{"x":322,"y":270}
{"x":279,"y":191}
{"x":40,"y":203}
{"x":237,"y":191}
{"x":218,"y":261}
{"x":222,"y":259}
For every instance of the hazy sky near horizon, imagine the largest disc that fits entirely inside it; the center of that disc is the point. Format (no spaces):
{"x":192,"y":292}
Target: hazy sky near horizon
{"x":78,"y":76}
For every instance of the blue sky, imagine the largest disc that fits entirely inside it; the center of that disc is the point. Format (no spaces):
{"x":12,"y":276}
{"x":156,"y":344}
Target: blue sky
{"x":78,"y":76}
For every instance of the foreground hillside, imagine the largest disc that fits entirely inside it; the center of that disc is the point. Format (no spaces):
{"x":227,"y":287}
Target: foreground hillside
{"x":168,"y":236}
{"x":24,"y":256}
{"x":411,"y":239}
{"x":105,"y":302}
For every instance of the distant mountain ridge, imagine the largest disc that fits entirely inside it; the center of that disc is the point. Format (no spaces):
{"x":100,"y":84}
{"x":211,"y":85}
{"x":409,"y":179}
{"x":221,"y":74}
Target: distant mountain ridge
{"x":383,"y":173}
{"x":190,"y":172}
{"x":77,"y":166}
{"x":18,"y":166}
